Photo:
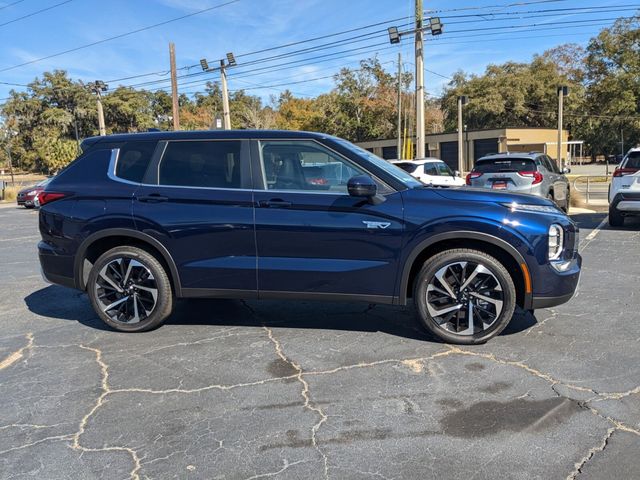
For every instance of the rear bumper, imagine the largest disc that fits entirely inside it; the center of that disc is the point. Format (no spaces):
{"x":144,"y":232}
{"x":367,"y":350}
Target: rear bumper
{"x":627,"y":203}
{"x":55,"y":268}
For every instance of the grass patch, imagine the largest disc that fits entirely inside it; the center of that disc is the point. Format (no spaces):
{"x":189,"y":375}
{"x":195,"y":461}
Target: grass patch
{"x":10,"y":193}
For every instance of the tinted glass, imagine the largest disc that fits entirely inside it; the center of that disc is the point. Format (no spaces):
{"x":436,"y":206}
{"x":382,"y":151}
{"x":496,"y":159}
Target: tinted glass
{"x":304,"y":165}
{"x":505,"y":165}
{"x":407,"y":167}
{"x":431,"y":169}
{"x":633,"y":160}
{"x":551,"y":165}
{"x":201,"y":164}
{"x":444,"y":169}
{"x":133,"y":160}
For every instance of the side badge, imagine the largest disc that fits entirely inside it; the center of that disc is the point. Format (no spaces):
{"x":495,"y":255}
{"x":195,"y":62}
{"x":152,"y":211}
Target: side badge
{"x":381,"y":225}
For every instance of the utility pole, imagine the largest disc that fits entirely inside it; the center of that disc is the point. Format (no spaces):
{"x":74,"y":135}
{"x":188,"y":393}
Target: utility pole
{"x":174,"y":87}
{"x":226,"y":115}
{"x":399,"y":144}
{"x":462,"y":100}
{"x":231,"y":62}
{"x":622,"y":141}
{"x":97,"y":88}
{"x":419,"y":47}
{"x":563,"y":91}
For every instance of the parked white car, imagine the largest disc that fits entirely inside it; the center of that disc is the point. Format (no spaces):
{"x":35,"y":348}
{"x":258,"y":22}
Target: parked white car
{"x":431,"y":171}
{"x":624,"y":192}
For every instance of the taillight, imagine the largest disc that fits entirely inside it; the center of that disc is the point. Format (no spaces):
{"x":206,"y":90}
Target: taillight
{"x":471,"y":176}
{"x":48,"y":197}
{"x":537,"y":176}
{"x":621,"y":172}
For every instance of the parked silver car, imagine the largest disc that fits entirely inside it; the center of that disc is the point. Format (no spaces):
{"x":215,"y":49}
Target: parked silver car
{"x":534,"y":173}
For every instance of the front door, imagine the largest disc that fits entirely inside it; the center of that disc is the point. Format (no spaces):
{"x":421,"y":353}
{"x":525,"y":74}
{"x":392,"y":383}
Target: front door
{"x":197,"y":202}
{"x":312,"y":237}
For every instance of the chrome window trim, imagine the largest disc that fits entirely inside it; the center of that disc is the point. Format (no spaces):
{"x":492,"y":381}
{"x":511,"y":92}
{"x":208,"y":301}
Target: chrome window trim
{"x":113,"y":164}
{"x":115,"y":154}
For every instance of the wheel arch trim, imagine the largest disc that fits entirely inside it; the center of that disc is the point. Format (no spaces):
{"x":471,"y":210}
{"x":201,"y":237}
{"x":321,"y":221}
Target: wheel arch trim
{"x":124,"y":232}
{"x":461,"y":234}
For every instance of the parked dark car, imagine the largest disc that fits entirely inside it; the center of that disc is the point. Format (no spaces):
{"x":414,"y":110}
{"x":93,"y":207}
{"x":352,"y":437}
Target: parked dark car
{"x":26,"y":197}
{"x":141,"y":219}
{"x":534,"y":173}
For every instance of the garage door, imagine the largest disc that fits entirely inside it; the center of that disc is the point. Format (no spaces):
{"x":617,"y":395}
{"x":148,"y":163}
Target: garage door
{"x":484,"y":147}
{"x":449,"y":154}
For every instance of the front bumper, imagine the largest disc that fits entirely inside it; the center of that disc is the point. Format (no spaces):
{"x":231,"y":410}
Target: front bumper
{"x":558,"y":287}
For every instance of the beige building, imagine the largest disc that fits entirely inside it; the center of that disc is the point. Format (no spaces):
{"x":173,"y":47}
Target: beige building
{"x":478,"y":143}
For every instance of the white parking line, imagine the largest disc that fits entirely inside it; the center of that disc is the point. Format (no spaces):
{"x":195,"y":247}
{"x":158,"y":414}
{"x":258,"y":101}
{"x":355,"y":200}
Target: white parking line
{"x":594,"y":233}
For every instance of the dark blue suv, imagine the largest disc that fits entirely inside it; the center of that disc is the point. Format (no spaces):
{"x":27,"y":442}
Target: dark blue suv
{"x":141,"y":219}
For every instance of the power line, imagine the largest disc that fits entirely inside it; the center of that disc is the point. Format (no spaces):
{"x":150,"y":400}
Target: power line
{"x":482,"y":7}
{"x":548,"y":10}
{"x":523,"y":17}
{"x":11,"y":4}
{"x":35,"y":13}
{"x":132,"y":32}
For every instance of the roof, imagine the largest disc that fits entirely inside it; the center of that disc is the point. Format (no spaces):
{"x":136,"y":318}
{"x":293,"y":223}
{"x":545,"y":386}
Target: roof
{"x":419,"y":162}
{"x":530,"y":155}
{"x":207,"y":134}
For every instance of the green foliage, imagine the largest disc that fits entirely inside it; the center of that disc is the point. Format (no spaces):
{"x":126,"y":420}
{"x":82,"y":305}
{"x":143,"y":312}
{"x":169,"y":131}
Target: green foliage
{"x":56,"y":153}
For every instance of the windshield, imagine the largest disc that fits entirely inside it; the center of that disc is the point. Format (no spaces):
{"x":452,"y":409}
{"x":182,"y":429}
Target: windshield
{"x":391,"y":169}
{"x":505,"y":165}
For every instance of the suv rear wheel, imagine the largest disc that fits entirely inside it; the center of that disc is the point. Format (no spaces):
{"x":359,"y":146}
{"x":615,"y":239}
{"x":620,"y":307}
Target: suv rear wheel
{"x":129,"y":289}
{"x":464,"y":296}
{"x":615,"y":218}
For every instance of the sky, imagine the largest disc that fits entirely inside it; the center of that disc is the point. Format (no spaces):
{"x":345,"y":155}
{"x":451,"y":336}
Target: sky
{"x":476,"y":34}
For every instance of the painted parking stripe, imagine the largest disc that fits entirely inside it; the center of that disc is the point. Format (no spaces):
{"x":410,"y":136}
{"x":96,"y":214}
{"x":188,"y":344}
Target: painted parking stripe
{"x":594,"y":233}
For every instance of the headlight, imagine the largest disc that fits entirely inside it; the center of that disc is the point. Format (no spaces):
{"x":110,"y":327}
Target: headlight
{"x":32,"y":192}
{"x":523,"y":207}
{"x":556,"y":241}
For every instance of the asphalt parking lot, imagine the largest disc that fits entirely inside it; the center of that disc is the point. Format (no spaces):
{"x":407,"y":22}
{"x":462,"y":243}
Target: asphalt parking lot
{"x":239,"y":390}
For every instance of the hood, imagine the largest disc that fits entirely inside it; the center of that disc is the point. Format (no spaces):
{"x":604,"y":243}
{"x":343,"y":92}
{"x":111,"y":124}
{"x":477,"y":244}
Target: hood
{"x":485,"y":195}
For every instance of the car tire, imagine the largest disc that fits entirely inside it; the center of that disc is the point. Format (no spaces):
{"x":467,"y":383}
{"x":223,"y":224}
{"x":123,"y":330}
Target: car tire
{"x":488,"y":278}
{"x":615,"y":218}
{"x":136,"y":287}
{"x":567,"y":202}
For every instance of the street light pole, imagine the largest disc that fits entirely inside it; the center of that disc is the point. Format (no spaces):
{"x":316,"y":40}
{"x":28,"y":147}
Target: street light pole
{"x":462,"y":100}
{"x":97,"y":88}
{"x":563,"y":91}
{"x":399,"y":129}
{"x":231,"y":62}
{"x":419,"y":48}
{"x":226,"y":115}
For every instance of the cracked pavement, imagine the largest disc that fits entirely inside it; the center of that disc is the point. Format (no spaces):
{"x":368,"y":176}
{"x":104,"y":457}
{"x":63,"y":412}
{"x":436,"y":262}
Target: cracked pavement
{"x":245,"y":390}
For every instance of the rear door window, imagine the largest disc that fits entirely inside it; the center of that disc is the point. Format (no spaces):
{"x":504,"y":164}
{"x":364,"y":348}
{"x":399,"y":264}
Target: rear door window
{"x":499,"y":165}
{"x":134,"y":159}
{"x":205,"y":164}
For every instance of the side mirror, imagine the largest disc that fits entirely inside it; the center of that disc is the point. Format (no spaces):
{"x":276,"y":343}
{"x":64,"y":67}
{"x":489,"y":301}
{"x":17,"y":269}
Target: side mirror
{"x":566,"y":170}
{"x":362,"y":186}
{"x":456,"y":173}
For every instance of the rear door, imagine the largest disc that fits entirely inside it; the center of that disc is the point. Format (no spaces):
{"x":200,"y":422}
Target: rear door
{"x":312,"y":236}
{"x":197,"y":201}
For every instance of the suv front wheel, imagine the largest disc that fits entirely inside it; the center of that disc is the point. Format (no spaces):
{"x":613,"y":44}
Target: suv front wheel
{"x":129,"y":289}
{"x":464,"y":296}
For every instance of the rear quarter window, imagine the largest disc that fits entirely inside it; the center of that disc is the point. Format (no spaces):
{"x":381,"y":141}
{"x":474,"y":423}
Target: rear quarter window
{"x":134,"y":159}
{"x":505,"y":165}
